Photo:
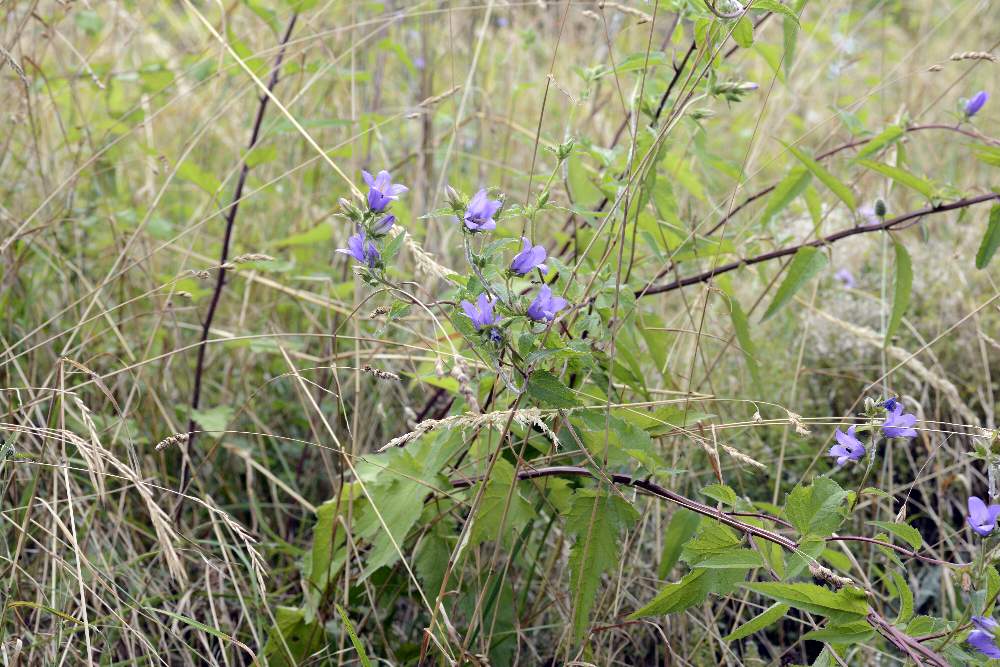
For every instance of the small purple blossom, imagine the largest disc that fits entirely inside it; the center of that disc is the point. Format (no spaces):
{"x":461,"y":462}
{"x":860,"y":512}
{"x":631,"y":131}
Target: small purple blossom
{"x":479,"y":214}
{"x":382,"y":227}
{"x":983,"y":638}
{"x":545,"y":306}
{"x":869,"y":215}
{"x":897,"y":424}
{"x":482,"y":315}
{"x":975,"y":103}
{"x":381,"y":190}
{"x":982,"y":518}
{"x":529,"y":258}
{"x":890,"y":403}
{"x":848,"y":447}
{"x":361,"y":248}
{"x":846,"y":278}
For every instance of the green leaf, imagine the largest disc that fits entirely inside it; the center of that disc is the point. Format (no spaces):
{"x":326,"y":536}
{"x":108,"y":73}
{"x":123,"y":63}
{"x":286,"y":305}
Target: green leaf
{"x":902,"y":590}
{"x":816,"y":510}
{"x":213,"y":421}
{"x":843,"y":606}
{"x":888,"y":136}
{"x":317,"y":235}
{"x":713,"y":539}
{"x":850,"y":633}
{"x":907,"y":533}
{"x":497,"y":517}
{"x":991,"y":239}
{"x":901,"y":176}
{"x":741,"y":326}
{"x":358,"y":646}
{"x":547,"y":389}
{"x":189,"y":171}
{"x":689,"y":591}
{"x":770,"y":615}
{"x":776,"y":7}
{"x":902,"y":286}
{"x":292,"y":638}
{"x":207,"y":629}
{"x":737,"y":558}
{"x":596,"y":521}
{"x":806,"y":263}
{"x":743,"y":32}
{"x":683,"y":525}
{"x":790,"y":187}
{"x":720,"y":493}
{"x":828,"y":179}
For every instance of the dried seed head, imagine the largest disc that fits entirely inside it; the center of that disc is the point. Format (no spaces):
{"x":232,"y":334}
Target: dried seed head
{"x":176,"y":439}
{"x":974,"y":55}
{"x":380,"y":310}
{"x":380,"y":374}
{"x":252,"y":257}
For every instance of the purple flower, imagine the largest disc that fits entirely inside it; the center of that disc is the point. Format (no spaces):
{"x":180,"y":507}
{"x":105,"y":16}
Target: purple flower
{"x":529,"y":258}
{"x":545,"y":306}
{"x":982,"y":518}
{"x":381,"y":190}
{"x":382,"y":227}
{"x":482,"y":315}
{"x":982,"y":638}
{"x":362,"y":249}
{"x":896,"y":424}
{"x":869,"y":215}
{"x":846,"y":277}
{"x":848,"y":447}
{"x":976,"y":103}
{"x":890,"y":403}
{"x":479,"y":214}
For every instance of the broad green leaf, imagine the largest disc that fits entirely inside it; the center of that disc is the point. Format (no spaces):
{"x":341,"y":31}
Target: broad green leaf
{"x":762,"y":620}
{"x":857,"y":632}
{"x":797,"y":561}
{"x":498,"y":517}
{"x":683,"y":525}
{"x":213,"y":421}
{"x":888,"y":136}
{"x":776,"y":7}
{"x":905,"y":595}
{"x":358,"y":646}
{"x":843,"y":606}
{"x":713,"y":539}
{"x":319,"y":234}
{"x":582,"y":190}
{"x":189,"y":171}
{"x":785,"y":192}
{"x":991,"y":239}
{"x":901,"y":176}
{"x":907,"y":533}
{"x":547,"y":389}
{"x":737,"y":558}
{"x":902,"y":286}
{"x":720,"y":493}
{"x":596,"y":521}
{"x":689,"y":591}
{"x":292,"y":639}
{"x":829,"y":180}
{"x":743,"y":32}
{"x":806,"y":263}
{"x":816,"y":510}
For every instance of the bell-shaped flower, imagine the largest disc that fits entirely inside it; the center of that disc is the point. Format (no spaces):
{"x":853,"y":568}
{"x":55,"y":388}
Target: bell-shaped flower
{"x":480,"y":211}
{"x":529,"y":258}
{"x":982,"y":517}
{"x":545,"y":306}
{"x":481,"y":312}
{"x":975,"y":103}
{"x":848,"y":447}
{"x":983,"y":638}
{"x":361,"y":248}
{"x":381,"y":190}
{"x":897,"y":424}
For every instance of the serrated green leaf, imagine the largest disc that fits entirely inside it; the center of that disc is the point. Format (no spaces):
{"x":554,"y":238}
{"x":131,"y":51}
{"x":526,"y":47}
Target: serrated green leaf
{"x":907,"y":533}
{"x":720,"y":493}
{"x":842,"y":606}
{"x":901,"y":176}
{"x":689,"y":591}
{"x":737,"y":558}
{"x":498,"y":517}
{"x":902,"y":287}
{"x":849,"y":633}
{"x":683,"y":525}
{"x":762,"y":620}
{"x":829,"y":180}
{"x":785,"y":192}
{"x":713,"y":539}
{"x":991,"y":239}
{"x":547,"y":389}
{"x":596,"y":522}
{"x":816,"y":510}
{"x":806,"y":263}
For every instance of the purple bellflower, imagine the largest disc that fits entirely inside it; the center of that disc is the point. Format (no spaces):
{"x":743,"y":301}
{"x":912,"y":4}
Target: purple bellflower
{"x":846,"y":278}
{"x":975,"y":103}
{"x":382,"y":227}
{"x":983,"y":638}
{"x":545,"y":306}
{"x":529,"y":258}
{"x":381,"y":190}
{"x":982,"y":517}
{"x":361,"y":248}
{"x":479,"y":214}
{"x":482,"y":315}
{"x":897,"y":424}
{"x":848,"y":447}
{"x":890,"y":403}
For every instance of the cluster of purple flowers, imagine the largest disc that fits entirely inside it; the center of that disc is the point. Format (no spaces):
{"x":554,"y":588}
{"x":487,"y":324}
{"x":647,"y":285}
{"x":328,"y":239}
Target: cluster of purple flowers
{"x":896,"y":424}
{"x":984,"y":637}
{"x":381,"y":193}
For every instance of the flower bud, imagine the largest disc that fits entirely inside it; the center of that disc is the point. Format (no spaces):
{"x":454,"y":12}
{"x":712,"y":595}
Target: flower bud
{"x":880,"y":208}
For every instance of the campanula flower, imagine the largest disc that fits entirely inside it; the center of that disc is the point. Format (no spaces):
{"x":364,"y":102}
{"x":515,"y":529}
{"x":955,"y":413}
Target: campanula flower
{"x":890,"y":403}
{"x":983,"y":638}
{"x":897,"y":424}
{"x":545,"y":306}
{"x":848,"y":447}
{"x":483,"y":316}
{"x":381,"y":190}
{"x":975,"y":103}
{"x":479,"y":214}
{"x":846,"y":278}
{"x":982,"y":518}
{"x":529,"y":258}
{"x":362,"y":249}
{"x":382,"y":227}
